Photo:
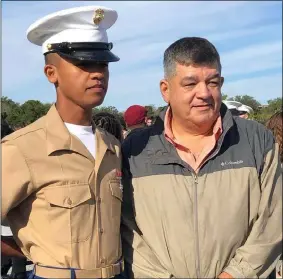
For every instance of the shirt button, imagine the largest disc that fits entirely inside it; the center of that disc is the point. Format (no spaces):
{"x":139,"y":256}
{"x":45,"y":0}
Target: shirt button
{"x":69,"y":201}
{"x":101,"y":230}
{"x":102,"y":261}
{"x":99,"y":200}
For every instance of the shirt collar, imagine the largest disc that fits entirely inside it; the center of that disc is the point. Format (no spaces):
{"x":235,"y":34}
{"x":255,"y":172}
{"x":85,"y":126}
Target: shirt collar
{"x":59,"y":138}
{"x":217,"y":128}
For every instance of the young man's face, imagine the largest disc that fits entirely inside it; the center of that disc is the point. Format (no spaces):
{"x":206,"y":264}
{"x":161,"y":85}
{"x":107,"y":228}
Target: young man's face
{"x":84,"y":84}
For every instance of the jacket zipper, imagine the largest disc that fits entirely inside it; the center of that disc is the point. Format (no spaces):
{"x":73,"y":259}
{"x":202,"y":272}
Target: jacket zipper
{"x":196,"y":225}
{"x":196,"y":212}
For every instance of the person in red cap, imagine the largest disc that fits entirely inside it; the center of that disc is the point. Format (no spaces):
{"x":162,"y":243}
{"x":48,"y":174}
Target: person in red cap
{"x":135,"y":118}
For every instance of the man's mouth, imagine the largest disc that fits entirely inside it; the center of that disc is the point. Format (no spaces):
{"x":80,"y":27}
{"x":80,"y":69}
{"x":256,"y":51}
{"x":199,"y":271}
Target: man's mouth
{"x":101,"y":86}
{"x":204,"y":105}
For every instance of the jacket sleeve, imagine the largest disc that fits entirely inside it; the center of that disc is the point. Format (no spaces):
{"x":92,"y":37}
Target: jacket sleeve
{"x":16,"y":181}
{"x":140,"y":260}
{"x":261,"y":251}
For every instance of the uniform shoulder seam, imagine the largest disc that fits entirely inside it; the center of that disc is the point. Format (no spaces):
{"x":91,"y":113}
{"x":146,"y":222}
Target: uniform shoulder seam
{"x":26,"y":161}
{"x":17,"y":136}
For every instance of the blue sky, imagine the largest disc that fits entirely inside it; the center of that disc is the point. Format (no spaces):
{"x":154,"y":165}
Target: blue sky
{"x":248,"y":36}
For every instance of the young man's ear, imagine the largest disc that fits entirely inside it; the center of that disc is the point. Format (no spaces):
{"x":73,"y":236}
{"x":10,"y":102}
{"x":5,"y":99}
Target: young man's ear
{"x":51,"y":73}
{"x":164,"y":89}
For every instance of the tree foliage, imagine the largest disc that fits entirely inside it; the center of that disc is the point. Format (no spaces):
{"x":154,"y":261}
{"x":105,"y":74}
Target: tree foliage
{"x":224,"y":97}
{"x":248,"y":101}
{"x":20,"y":115}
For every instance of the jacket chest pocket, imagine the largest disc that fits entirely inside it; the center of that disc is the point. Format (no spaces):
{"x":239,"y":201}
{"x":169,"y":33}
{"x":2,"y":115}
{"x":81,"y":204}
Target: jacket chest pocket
{"x":71,"y":212}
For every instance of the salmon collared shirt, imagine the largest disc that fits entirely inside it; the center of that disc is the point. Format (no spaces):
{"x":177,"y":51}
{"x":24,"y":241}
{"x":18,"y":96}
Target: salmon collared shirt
{"x":184,"y":152}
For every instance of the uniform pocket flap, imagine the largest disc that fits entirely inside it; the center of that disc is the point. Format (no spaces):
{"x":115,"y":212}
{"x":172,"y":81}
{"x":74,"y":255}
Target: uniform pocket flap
{"x":116,"y":189}
{"x":68,"y":197}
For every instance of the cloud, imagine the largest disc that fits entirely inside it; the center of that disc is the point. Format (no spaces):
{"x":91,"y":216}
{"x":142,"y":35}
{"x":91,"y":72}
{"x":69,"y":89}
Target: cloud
{"x":250,"y":46}
{"x":262,"y":88}
{"x":252,"y":59}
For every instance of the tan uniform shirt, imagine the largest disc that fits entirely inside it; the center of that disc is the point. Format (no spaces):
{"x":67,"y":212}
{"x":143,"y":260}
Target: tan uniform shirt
{"x":62,"y":205}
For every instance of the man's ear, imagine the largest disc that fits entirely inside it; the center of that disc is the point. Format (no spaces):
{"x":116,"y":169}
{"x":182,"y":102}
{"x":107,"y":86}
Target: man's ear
{"x":51,"y":73}
{"x":164,"y":89}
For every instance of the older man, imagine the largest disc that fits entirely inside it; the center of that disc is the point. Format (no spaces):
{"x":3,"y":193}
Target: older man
{"x":202,"y":189}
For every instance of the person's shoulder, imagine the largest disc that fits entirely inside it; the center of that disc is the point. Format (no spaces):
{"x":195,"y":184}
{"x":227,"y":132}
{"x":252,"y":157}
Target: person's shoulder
{"x":137,"y":135}
{"x":136,"y":141}
{"x":253,"y":127}
{"x":258,"y":134}
{"x":136,"y":130}
{"x":25,"y":133}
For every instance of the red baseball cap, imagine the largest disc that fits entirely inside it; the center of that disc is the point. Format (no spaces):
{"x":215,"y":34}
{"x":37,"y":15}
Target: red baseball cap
{"x":135,"y":115}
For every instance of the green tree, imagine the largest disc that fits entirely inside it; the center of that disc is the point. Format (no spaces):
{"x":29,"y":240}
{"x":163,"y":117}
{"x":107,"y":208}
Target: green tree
{"x":159,"y":109}
{"x":274,"y":105}
{"x":224,"y":97}
{"x":14,"y":118}
{"x":11,"y":112}
{"x":7,"y":105}
{"x":150,"y":110}
{"x":266,"y":112}
{"x":247,"y":100}
{"x":109,"y":109}
{"x":32,"y":110}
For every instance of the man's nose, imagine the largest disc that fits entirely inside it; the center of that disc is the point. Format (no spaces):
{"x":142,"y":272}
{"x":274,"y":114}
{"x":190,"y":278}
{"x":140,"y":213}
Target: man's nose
{"x":203,"y":91}
{"x":96,"y":75}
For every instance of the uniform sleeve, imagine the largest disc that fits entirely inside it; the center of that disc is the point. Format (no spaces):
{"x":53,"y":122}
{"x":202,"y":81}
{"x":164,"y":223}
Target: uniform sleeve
{"x":261,"y":251}
{"x":140,"y":261}
{"x":16,"y":181}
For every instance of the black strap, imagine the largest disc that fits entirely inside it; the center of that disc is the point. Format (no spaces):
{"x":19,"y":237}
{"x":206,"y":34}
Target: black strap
{"x":67,"y":46}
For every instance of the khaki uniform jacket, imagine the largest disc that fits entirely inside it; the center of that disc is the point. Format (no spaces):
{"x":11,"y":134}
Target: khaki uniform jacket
{"x":228,"y":217}
{"x":62,"y":205}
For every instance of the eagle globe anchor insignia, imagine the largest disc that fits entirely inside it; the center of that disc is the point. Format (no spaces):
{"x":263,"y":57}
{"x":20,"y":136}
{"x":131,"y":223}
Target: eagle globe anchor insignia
{"x":98,"y":16}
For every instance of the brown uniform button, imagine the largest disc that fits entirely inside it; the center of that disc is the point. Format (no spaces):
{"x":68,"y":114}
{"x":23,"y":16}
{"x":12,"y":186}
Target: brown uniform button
{"x":101,"y":230}
{"x":102,"y":261}
{"x":69,"y":201}
{"x":99,"y":200}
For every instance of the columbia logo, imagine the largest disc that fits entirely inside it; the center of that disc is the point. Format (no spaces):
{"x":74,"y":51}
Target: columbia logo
{"x":231,"y":163}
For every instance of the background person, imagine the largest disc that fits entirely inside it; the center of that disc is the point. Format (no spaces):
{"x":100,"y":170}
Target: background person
{"x":135,"y":118}
{"x":109,"y":123}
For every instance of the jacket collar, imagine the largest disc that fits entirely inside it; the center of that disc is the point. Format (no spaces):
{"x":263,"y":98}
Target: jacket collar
{"x":166,"y":153}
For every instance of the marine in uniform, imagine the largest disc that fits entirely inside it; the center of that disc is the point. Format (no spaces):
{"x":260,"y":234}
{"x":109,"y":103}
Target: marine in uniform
{"x":61,"y":190}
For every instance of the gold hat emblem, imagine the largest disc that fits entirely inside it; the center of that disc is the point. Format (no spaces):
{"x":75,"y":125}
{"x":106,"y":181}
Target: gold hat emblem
{"x":98,"y":16}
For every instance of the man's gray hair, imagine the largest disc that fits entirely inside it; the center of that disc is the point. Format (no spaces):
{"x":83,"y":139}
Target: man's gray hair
{"x":190,"y":51}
